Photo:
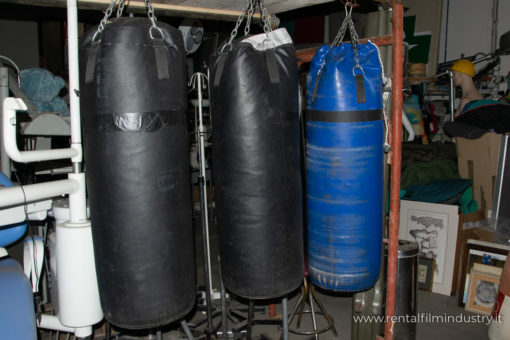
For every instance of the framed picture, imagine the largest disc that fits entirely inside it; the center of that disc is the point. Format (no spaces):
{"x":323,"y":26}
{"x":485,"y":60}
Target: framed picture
{"x":483,"y":290}
{"x":426,"y":269}
{"x":479,"y":252}
{"x":435,"y":228}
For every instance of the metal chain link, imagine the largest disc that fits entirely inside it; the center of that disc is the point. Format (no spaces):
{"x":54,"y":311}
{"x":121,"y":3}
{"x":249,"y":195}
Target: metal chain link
{"x":152,"y":17}
{"x":107,"y":15}
{"x":251,"y":9}
{"x":240,"y":19}
{"x":120,"y":9}
{"x":265,"y":17}
{"x":348,"y":23}
{"x":354,"y":43}
{"x":341,"y":32}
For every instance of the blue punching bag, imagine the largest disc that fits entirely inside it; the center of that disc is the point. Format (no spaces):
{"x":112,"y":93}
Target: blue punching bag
{"x":344,"y":167}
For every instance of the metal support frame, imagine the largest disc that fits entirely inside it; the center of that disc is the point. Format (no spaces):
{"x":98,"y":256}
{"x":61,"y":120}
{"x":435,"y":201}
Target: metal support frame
{"x":396,"y":39}
{"x":396,"y":160}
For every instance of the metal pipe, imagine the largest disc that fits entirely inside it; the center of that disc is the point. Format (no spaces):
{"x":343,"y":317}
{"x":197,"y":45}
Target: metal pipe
{"x":452,"y":95}
{"x":5,"y":163}
{"x":285,"y":319}
{"x":10,"y":106}
{"x":186,"y":330}
{"x":35,"y":192}
{"x":494,"y":31}
{"x":396,"y":140}
{"x":204,"y":208}
{"x":312,"y":312}
{"x":74,"y":76}
{"x":223,"y":294}
{"x":249,"y":326}
{"x":78,"y":199}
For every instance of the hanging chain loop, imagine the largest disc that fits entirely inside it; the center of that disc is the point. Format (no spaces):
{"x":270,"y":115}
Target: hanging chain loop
{"x":249,"y":17}
{"x":240,"y":20}
{"x":152,"y":17}
{"x":265,"y":17}
{"x":348,"y":23}
{"x":107,"y":15}
{"x":248,"y":12}
{"x":120,"y":9}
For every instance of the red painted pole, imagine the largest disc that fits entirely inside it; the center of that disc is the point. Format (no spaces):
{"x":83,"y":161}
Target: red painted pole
{"x":396,"y":149}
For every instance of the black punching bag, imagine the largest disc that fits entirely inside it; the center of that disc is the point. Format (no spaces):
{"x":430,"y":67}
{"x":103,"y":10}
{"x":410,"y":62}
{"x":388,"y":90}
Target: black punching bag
{"x":133,"y":104}
{"x":256,"y":162}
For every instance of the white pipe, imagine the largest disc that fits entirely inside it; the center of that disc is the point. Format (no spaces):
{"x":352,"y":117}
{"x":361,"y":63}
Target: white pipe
{"x":78,"y":200}
{"x":74,"y":76}
{"x":35,"y":192}
{"x":5,"y":162}
{"x":52,"y":322}
{"x":11,"y":105}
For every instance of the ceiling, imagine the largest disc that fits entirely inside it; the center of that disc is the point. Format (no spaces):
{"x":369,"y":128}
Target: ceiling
{"x":227,"y":10}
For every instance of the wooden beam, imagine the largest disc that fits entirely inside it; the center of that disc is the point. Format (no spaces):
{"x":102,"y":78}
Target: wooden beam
{"x":305,"y":55}
{"x":139,"y":7}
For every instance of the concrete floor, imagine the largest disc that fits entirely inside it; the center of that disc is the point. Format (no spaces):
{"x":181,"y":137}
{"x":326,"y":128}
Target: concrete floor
{"x":337,"y":305}
{"x":340,"y":308}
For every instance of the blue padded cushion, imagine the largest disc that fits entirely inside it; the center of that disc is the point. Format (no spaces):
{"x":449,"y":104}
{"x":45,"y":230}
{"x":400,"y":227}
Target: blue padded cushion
{"x":12,"y":232}
{"x":17,"y":317}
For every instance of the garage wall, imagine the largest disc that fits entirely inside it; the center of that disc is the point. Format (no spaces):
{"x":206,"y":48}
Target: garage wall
{"x":466,"y":28}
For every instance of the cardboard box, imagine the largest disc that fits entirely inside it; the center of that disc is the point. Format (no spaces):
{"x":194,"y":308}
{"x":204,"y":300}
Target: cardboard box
{"x":469,"y":234}
{"x":478,"y":160}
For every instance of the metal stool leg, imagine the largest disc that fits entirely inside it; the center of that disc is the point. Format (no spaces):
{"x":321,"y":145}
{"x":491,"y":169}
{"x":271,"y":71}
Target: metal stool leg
{"x":251,"y":311}
{"x":303,"y":303}
{"x":186,"y":330}
{"x":328,"y":317}
{"x":314,"y":321}
{"x":309,"y":296}
{"x":285,"y":320}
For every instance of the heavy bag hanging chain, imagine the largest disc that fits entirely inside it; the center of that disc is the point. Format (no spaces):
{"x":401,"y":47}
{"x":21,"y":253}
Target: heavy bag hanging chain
{"x":152,"y":17}
{"x":265,"y":17}
{"x":120,"y":9}
{"x":249,"y":16}
{"x":359,"y":78}
{"x":248,"y":12}
{"x":354,"y":35}
{"x":107,"y":15}
{"x":240,"y":20}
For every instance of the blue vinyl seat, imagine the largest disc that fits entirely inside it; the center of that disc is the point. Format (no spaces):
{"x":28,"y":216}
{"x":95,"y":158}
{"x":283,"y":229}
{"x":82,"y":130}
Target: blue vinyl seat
{"x":17,"y":316}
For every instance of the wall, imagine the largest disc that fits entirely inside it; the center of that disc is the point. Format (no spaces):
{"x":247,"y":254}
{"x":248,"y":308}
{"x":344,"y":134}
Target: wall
{"x":19,"y":42}
{"x":428,"y":19}
{"x":466,"y":28}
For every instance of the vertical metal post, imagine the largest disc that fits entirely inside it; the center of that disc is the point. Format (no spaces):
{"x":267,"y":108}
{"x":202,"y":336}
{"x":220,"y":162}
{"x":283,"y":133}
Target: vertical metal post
{"x":224,"y":331}
{"x":452,"y":96}
{"x":186,"y":330}
{"x":285,"y":319}
{"x":396,"y":134}
{"x":4,"y":93}
{"x":204,"y":208}
{"x":251,"y":312}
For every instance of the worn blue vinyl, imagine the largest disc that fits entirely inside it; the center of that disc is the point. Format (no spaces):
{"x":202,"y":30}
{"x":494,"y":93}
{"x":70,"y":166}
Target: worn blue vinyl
{"x":17,"y":317}
{"x":344,"y":170}
{"x":12,"y":232}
